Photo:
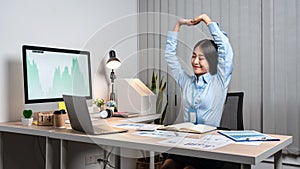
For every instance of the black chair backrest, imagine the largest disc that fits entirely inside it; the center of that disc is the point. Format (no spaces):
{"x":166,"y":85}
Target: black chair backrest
{"x":232,"y":117}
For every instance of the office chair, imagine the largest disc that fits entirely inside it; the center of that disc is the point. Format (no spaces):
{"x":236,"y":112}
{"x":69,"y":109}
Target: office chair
{"x":232,"y":119}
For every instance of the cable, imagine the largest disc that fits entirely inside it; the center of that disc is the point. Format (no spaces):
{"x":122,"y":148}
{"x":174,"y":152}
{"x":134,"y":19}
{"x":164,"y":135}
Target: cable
{"x":105,"y":160}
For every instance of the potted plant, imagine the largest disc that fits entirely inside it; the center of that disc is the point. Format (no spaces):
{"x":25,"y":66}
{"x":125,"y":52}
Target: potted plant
{"x":161,"y":108}
{"x":161,"y":105}
{"x":99,"y":103}
{"x":111,"y":104}
{"x":27,"y":119}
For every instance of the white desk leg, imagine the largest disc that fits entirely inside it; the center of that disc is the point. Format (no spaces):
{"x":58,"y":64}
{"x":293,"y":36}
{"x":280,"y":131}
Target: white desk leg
{"x":245,"y":166}
{"x":48,"y":154}
{"x":152,"y":160}
{"x":1,"y":151}
{"x":63,"y":154}
{"x":278,"y":160}
{"x":118,"y":158}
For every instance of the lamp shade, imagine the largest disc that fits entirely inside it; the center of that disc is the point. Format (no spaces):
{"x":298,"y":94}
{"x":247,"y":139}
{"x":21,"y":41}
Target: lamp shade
{"x":113,"y":62}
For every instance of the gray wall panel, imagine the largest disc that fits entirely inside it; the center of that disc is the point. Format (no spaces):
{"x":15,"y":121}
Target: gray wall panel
{"x":265,"y":38}
{"x":281,"y":111}
{"x":236,"y":24}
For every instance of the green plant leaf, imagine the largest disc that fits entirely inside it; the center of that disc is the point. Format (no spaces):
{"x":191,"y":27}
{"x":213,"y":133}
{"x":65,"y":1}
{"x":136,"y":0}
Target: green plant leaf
{"x":154,"y":83}
{"x":163,"y":115}
{"x":163,"y":87}
{"x":27,"y":113}
{"x":99,"y":102}
{"x":158,"y":89}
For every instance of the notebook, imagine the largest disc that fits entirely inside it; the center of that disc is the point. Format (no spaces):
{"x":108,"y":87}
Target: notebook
{"x":247,"y":135}
{"x":80,"y":119}
{"x":189,"y":128}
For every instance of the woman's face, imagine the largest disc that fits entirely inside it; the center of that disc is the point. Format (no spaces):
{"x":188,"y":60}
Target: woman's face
{"x":199,"y":62}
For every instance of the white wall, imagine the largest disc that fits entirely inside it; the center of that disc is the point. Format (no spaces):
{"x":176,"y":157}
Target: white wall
{"x":94,"y":25}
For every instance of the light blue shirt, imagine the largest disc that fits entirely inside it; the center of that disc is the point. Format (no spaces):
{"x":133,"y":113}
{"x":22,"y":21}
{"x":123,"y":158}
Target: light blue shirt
{"x":209,"y":93}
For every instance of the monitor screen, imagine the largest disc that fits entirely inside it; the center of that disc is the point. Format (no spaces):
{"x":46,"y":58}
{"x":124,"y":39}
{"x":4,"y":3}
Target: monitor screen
{"x":51,"y":72}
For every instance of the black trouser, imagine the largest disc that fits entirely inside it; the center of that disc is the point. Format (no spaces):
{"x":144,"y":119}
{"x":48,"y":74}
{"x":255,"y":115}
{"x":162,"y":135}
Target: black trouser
{"x":198,"y":163}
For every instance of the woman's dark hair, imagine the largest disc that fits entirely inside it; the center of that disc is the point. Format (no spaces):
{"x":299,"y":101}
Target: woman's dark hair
{"x":209,"y":49}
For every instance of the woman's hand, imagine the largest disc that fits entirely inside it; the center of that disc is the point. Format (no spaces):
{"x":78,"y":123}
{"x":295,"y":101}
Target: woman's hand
{"x":202,"y":17}
{"x":188,"y":22}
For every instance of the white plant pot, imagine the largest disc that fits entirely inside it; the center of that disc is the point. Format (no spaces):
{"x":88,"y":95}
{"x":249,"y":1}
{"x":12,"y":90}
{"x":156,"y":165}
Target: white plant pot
{"x":27,"y":121}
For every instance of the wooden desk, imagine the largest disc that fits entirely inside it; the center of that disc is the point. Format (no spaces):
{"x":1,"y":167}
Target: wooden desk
{"x":245,"y":154}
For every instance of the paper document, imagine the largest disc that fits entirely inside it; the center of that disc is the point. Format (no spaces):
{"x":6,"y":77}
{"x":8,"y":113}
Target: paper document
{"x":138,"y":126}
{"x":162,"y":134}
{"x":206,"y":142}
{"x":189,"y":128}
{"x":247,"y":135}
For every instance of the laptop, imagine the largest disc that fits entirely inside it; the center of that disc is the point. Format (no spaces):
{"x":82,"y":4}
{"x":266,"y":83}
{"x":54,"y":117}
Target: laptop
{"x":80,"y":119}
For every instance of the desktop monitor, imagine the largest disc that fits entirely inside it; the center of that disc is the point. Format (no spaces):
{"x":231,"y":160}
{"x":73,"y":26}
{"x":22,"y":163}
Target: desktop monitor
{"x":51,"y":72}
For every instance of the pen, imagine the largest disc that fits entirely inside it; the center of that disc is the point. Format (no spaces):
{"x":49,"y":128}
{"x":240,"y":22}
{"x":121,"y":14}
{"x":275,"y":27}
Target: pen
{"x":256,"y":139}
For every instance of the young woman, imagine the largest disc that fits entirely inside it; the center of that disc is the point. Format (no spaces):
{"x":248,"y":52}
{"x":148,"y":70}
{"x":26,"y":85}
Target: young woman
{"x":204,"y":93}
